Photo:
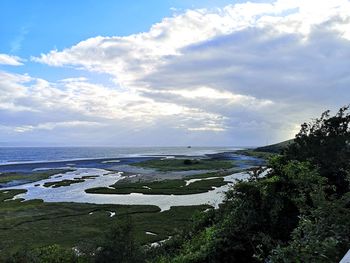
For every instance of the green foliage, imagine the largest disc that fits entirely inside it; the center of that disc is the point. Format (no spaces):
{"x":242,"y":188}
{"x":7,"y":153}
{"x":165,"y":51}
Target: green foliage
{"x":35,"y":224}
{"x":325,"y":142}
{"x":48,"y":254}
{"x":29,"y":177}
{"x":164,"y":187}
{"x":56,"y":184}
{"x":257,"y":216}
{"x":255,"y":153}
{"x":274,"y":148}
{"x":298,"y":212}
{"x":119,"y":245}
{"x":189,"y":161}
{"x":323,"y":235}
{"x":210,"y":174}
{"x":166,"y":165}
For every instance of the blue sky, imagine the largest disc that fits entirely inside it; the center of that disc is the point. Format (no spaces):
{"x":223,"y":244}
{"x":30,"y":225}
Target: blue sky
{"x":168,"y":72}
{"x":32,"y":27}
{"x":29,"y":28}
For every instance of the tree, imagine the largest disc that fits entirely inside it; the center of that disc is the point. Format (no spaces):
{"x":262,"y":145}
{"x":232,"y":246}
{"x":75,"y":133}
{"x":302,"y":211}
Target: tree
{"x":291,"y":214}
{"x":119,"y":244}
{"x":48,"y":254}
{"x":325,"y":142}
{"x":323,"y":235}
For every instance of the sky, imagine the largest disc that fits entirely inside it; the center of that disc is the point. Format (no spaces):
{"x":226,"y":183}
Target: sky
{"x":169,"y":72}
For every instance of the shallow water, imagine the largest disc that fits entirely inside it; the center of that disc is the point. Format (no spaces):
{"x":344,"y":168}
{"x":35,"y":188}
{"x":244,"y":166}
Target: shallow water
{"x":76,"y":193}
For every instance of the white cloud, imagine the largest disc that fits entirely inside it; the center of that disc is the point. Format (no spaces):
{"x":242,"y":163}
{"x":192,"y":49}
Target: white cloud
{"x":217,"y":96}
{"x":59,"y":104}
{"x":250,"y":71}
{"x":53,"y":125}
{"x":10,"y":60}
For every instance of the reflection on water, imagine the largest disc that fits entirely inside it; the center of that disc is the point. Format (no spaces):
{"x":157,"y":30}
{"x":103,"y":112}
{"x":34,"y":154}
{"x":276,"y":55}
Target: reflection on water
{"x":104,"y":178}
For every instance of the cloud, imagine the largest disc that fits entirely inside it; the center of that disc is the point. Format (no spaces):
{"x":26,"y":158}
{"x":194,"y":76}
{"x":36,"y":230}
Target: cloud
{"x":53,"y":125}
{"x":74,"y":106}
{"x":17,"y":42}
{"x":249,"y":71}
{"x":10,"y":60}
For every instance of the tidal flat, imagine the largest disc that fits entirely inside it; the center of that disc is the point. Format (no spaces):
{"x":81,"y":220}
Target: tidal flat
{"x":75,"y":203}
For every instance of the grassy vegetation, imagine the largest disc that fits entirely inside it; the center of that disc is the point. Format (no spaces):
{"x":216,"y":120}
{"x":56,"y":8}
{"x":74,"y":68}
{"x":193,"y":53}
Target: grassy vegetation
{"x":275,"y":148}
{"x":167,"y":165}
{"x":205,"y":185}
{"x":164,"y":224}
{"x":213,"y":174}
{"x":258,"y":154}
{"x":86,"y":177}
{"x":29,"y":177}
{"x":166,"y":187}
{"x":177,"y":186}
{"x":298,"y":212}
{"x":268,"y":151}
{"x":35,"y":223}
{"x":57,"y":184}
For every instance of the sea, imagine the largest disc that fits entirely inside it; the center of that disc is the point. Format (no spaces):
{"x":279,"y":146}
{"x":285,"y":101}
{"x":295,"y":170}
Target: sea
{"x":20,"y":155}
{"x":106,"y":165}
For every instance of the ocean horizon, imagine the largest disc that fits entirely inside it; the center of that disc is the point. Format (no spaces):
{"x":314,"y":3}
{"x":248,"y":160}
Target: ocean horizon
{"x":18,"y":155}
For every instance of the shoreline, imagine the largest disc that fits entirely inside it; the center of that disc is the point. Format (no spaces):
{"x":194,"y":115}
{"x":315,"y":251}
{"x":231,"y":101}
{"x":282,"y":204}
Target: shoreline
{"x":76,"y":192}
{"x":31,"y":155}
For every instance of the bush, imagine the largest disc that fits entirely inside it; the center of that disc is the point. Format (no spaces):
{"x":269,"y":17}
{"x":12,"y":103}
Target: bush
{"x":48,"y":254}
{"x":119,"y":245}
{"x":325,"y":142}
{"x":298,"y":212}
{"x":321,"y":236}
{"x":190,"y":162}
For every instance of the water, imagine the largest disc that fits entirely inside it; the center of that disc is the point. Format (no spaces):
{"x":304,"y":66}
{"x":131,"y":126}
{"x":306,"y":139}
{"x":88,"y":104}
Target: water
{"x":12,"y":155}
{"x":76,"y":192}
{"x":107,"y":164}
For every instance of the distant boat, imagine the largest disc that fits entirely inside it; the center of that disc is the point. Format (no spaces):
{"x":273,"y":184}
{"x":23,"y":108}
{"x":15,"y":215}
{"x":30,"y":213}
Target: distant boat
{"x":189,"y":147}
